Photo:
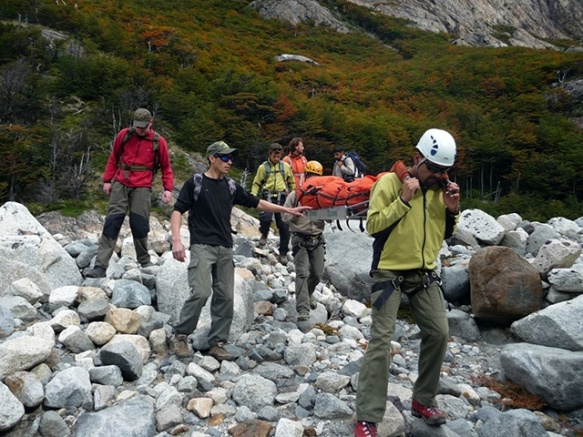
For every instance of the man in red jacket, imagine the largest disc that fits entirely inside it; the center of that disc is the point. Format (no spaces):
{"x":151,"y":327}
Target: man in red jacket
{"x":130,"y":169}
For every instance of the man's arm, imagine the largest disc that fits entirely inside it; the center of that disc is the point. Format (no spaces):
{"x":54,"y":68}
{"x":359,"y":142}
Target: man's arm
{"x":298,"y":211}
{"x":178,"y":249}
{"x":258,"y":180}
{"x":112,"y":162}
{"x":348,"y":167}
{"x":290,"y":202}
{"x":167,"y":173}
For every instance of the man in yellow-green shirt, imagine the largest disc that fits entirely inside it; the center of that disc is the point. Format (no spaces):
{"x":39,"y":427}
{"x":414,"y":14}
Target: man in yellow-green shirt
{"x":273,"y":181}
{"x":409,"y":220}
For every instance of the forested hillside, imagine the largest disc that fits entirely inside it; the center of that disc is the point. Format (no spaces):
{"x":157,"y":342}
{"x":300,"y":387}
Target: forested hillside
{"x":71,"y":74}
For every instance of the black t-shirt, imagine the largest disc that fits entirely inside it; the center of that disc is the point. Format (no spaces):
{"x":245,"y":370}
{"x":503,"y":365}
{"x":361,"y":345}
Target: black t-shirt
{"x":209,"y":219}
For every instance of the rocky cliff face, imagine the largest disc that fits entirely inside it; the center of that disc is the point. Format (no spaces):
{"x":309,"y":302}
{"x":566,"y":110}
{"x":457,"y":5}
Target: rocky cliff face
{"x":495,"y":23}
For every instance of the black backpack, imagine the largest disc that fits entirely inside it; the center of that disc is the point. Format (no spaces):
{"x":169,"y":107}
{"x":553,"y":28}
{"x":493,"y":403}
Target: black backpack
{"x":359,"y":165}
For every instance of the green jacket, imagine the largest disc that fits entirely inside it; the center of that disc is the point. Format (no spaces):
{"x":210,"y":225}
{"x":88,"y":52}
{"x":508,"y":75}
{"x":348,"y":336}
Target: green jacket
{"x":407,"y":237}
{"x":274,"y":182}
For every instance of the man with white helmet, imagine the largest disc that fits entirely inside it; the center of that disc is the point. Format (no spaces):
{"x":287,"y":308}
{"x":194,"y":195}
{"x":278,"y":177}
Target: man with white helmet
{"x":409,"y":221}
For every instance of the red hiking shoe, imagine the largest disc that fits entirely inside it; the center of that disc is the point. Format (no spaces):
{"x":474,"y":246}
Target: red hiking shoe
{"x":365,"y":429}
{"x":431,"y":415}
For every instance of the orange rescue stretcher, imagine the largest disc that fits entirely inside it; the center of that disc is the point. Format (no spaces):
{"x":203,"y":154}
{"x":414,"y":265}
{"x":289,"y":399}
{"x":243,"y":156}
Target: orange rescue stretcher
{"x":332,"y":198}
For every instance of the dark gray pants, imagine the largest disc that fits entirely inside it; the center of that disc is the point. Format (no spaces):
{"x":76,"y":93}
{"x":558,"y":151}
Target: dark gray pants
{"x":122,"y":199}
{"x":309,"y":263}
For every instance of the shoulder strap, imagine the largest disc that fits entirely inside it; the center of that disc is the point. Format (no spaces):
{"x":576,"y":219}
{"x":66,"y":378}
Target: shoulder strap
{"x":155,"y":145}
{"x":198,"y":187}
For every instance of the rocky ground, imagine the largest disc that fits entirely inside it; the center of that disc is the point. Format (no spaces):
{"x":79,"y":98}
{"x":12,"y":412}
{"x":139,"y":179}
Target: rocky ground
{"x":111,"y":370}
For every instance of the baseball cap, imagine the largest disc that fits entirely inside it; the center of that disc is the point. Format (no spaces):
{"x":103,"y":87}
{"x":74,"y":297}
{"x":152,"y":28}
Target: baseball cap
{"x":275,"y":147}
{"x":220,"y":148}
{"x":142,"y":117}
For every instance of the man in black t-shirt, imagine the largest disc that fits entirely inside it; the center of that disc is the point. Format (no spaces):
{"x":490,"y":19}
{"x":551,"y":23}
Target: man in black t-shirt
{"x":209,"y":199}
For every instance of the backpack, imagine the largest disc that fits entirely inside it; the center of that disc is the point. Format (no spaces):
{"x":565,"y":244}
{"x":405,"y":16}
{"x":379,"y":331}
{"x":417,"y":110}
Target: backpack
{"x":155,"y":141}
{"x":268,"y":171}
{"x":359,"y":165}
{"x":198,"y":186}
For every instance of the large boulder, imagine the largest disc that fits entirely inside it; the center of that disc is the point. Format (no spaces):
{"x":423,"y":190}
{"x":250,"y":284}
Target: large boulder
{"x":504,"y":286}
{"x":552,"y":373}
{"x":27,"y":250}
{"x":558,"y":324}
{"x":348,"y":260}
{"x":173,"y":290}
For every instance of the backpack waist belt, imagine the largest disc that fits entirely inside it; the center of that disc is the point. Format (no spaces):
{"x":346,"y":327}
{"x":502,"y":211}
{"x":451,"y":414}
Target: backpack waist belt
{"x":135,"y":167}
{"x":307,"y":237}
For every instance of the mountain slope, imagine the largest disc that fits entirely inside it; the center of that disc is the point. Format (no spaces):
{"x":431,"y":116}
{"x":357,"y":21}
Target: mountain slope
{"x":478,"y":23}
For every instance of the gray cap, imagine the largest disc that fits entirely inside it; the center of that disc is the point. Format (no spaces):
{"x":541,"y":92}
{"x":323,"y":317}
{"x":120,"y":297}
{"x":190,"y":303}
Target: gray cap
{"x":142,"y":117}
{"x":220,"y":148}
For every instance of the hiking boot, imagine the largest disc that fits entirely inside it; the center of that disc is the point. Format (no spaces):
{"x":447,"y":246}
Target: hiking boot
{"x":282,"y":259}
{"x":219,"y":352}
{"x":182,"y":347}
{"x":303,"y":316}
{"x":263,"y":240}
{"x":313,"y":303}
{"x":147,"y":264}
{"x":431,"y":415}
{"x":365,"y":429}
{"x":96,"y":272}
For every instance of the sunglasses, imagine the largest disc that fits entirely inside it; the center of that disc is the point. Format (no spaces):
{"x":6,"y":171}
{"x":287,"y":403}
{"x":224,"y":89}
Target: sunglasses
{"x":435,"y":168}
{"x":225,"y":158}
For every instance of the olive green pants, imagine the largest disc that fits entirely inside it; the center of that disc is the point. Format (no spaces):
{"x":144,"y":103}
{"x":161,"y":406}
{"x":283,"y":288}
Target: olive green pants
{"x":122,"y":199}
{"x":211,"y":269}
{"x":428,"y":310}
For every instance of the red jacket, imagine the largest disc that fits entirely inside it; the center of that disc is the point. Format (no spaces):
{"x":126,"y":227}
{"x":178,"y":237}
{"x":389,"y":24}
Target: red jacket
{"x":298,"y":165}
{"x":138,"y":152}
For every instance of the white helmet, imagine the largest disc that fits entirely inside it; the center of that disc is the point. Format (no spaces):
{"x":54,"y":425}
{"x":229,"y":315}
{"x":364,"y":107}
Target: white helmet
{"x":438,"y":146}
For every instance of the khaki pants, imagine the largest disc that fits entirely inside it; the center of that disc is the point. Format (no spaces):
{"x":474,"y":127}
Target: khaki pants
{"x":428,"y":310}
{"x":122,"y":199}
{"x":211,"y":269}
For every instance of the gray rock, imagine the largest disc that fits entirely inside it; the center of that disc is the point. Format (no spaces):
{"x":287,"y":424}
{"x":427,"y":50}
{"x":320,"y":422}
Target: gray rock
{"x":558,"y":324}
{"x":19,"y":307}
{"x":76,"y":340}
{"x":23,"y":353}
{"x":27,"y":387}
{"x":124,"y":355}
{"x":114,"y":420}
{"x":28,"y":250}
{"x":11,"y":410}
{"x":130,"y":294}
{"x":254,"y":391}
{"x":6,"y":322}
{"x":53,"y":425}
{"x":462,"y":325}
{"x":92,"y":310}
{"x":328,"y":406}
{"x":552,"y":373}
{"x":515,"y":423}
{"x":106,"y":375}
{"x":69,"y":388}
